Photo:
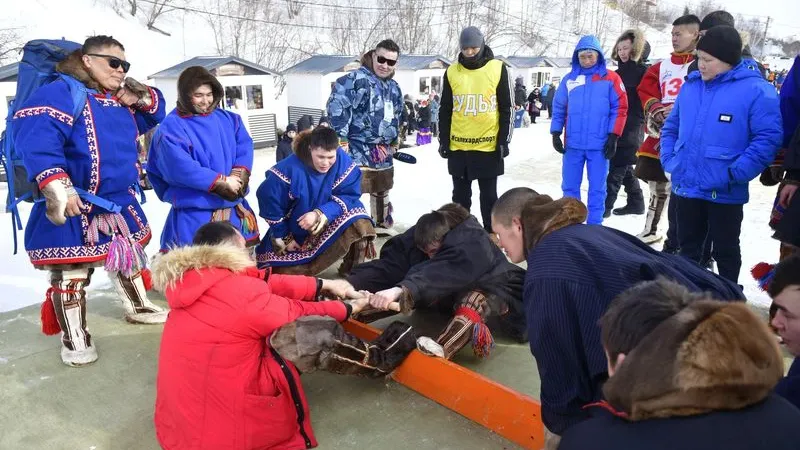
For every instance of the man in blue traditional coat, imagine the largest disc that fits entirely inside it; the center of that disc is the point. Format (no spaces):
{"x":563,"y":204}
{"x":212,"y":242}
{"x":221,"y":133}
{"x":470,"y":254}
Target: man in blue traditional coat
{"x":312,"y":204}
{"x":364,"y":109}
{"x":85,"y":167}
{"x":200,"y":162}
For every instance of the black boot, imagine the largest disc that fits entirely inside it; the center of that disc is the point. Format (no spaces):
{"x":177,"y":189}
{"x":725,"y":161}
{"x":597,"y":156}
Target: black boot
{"x":629,"y":209}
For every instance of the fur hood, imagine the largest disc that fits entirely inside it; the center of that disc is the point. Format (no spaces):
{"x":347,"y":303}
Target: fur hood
{"x":711,"y":356}
{"x":73,"y":66}
{"x":191,"y":79}
{"x":541,"y":215}
{"x":366,"y":61}
{"x":637,"y":50}
{"x":169,"y":269}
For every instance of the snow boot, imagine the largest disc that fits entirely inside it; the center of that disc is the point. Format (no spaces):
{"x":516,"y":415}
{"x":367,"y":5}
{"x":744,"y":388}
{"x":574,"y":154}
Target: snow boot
{"x":467,"y":326}
{"x":132,"y":293}
{"x":67,"y":295}
{"x":629,"y":210}
{"x":659,"y":201}
{"x":381,"y":210}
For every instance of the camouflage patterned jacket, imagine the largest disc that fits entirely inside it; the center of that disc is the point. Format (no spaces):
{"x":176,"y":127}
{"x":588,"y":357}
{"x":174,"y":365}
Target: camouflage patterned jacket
{"x":358,"y":111}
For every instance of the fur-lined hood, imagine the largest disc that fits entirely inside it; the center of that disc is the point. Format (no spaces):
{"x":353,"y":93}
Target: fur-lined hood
{"x":542,"y":215}
{"x":184,"y":274}
{"x":188,"y":82}
{"x":711,"y":356}
{"x":366,"y":61}
{"x":638,"y":45}
{"x":73,"y":66}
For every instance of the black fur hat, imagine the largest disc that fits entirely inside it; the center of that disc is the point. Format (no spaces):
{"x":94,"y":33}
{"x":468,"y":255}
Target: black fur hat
{"x":191,"y":79}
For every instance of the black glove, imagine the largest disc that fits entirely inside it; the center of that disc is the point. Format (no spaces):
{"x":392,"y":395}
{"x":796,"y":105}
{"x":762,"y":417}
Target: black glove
{"x":502,"y":149}
{"x":444,"y":150}
{"x":611,"y":145}
{"x":557,"y":144}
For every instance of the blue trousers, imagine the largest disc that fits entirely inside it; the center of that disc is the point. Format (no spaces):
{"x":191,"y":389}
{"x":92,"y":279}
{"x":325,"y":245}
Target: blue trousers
{"x":596,"y":172}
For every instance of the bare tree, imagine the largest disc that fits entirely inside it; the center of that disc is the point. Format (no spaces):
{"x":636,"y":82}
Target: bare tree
{"x":260,"y":31}
{"x":10,"y":44}
{"x":157,"y":9}
{"x":354,"y":31}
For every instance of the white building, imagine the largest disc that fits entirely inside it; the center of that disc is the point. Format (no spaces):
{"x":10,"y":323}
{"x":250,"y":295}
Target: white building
{"x":251,"y":91}
{"x":8,"y":89}
{"x":535,"y":70}
{"x":309,"y":82}
{"x":419,"y":75}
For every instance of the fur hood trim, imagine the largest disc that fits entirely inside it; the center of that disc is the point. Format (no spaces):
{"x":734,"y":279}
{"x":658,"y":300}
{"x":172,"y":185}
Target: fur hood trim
{"x":711,"y":356}
{"x":168,"y":269}
{"x":191,"y":79}
{"x":73,"y":66}
{"x":637,"y":38}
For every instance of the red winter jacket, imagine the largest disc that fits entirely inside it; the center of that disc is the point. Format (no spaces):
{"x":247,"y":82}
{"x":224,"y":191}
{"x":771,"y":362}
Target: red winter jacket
{"x":220,"y":386}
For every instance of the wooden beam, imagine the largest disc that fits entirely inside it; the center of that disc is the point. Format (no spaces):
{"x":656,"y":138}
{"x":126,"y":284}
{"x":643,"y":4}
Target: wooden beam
{"x":515,"y":416}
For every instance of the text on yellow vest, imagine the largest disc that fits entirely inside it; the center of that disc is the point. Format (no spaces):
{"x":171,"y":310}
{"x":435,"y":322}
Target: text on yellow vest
{"x":475,"y":122}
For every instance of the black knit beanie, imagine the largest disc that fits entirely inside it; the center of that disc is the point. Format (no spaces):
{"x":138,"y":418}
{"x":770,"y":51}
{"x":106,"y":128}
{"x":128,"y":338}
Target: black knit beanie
{"x":722,"y":42}
{"x":717,"y":18}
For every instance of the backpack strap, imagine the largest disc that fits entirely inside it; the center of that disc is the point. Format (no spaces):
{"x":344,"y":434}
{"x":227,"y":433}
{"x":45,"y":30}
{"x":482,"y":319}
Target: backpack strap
{"x":79,"y":93}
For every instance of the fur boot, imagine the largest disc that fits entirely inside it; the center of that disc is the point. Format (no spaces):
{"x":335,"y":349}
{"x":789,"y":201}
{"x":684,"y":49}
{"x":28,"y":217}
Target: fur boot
{"x":68,"y":296}
{"x":659,"y":202}
{"x":381,"y":211}
{"x":359,"y":252}
{"x":132,"y":293}
{"x":320,"y":343}
{"x":467,"y":325}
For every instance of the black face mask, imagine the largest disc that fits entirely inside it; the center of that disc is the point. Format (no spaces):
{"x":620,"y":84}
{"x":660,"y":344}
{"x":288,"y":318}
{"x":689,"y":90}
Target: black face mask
{"x":472,"y":62}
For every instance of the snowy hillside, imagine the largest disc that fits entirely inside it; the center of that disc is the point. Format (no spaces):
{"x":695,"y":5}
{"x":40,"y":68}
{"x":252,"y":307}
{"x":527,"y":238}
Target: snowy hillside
{"x":148,"y":51}
{"x":191,"y":35}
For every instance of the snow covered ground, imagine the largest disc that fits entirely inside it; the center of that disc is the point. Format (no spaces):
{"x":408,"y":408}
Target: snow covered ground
{"x":418,"y":189}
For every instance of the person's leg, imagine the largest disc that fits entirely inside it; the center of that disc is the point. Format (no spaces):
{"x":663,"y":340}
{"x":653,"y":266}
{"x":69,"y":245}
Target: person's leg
{"x":470,"y":314}
{"x":381,"y":209}
{"x":613,"y":182}
{"x":488,"y":193}
{"x":320,"y":343}
{"x":132,"y":293}
{"x":462,"y":192}
{"x":68,"y":297}
{"x":706,"y":260}
{"x":725,"y":227}
{"x":597,"y":172}
{"x":659,"y":197}
{"x":672,"y":243}
{"x":692,"y":223}
{"x":572,"y":173}
{"x":635,"y":203}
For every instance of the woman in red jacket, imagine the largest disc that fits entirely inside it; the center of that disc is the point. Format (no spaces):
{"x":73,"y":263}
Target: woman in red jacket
{"x":220,"y":385}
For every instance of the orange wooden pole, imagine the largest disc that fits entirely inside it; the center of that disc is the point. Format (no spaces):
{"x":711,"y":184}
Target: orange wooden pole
{"x":515,"y":416}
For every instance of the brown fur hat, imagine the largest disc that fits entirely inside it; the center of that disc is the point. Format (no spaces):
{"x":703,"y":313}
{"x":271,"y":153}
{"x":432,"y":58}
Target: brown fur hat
{"x":191,"y":79}
{"x":638,"y":43}
{"x":710,"y":356}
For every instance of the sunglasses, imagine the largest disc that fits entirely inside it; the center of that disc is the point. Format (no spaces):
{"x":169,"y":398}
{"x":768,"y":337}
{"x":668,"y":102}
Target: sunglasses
{"x":114,"y":62}
{"x":382,"y":60}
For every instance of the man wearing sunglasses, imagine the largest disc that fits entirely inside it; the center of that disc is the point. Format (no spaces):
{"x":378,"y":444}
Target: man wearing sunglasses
{"x":85,"y":166}
{"x":364,"y":109}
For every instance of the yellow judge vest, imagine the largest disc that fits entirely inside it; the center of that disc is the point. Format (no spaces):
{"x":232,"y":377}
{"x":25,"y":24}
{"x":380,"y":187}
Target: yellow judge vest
{"x":475,"y":121}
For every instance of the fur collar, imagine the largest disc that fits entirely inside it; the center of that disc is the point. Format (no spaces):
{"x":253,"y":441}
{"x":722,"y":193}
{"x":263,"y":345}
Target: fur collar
{"x":73,"y":66}
{"x":711,"y":356}
{"x":541,"y":216}
{"x":638,"y":43}
{"x":168,"y":269}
